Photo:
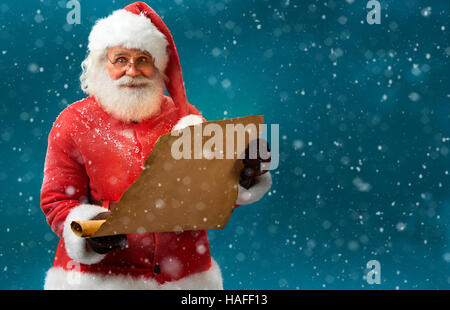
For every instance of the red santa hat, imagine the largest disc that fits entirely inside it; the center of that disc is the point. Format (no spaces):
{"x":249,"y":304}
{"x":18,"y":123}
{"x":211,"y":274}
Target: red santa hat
{"x":139,"y":26}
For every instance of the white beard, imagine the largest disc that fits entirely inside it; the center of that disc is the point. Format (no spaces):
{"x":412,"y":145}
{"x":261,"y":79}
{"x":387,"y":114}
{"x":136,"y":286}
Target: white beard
{"x":128,"y":104}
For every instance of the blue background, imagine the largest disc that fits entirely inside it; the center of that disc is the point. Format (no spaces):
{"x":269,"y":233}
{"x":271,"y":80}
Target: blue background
{"x":364,"y":124}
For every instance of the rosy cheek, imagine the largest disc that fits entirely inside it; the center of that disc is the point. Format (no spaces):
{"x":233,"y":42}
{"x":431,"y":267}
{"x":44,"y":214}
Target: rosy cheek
{"x":113,"y":73}
{"x":148,"y":73}
{"x":117,"y":75}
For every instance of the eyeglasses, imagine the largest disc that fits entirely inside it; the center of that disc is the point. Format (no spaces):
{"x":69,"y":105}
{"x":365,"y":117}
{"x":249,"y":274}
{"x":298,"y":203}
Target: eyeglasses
{"x":142,"y":62}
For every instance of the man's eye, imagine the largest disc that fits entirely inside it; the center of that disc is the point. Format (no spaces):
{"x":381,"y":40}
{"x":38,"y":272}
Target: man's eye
{"x":142,"y":59}
{"x":121,"y":60}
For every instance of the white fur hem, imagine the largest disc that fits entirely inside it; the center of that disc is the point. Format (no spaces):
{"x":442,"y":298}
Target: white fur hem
{"x":256,"y":192}
{"x":130,"y":31}
{"x":76,"y":246}
{"x":60,"y":279}
{"x":188,"y":120}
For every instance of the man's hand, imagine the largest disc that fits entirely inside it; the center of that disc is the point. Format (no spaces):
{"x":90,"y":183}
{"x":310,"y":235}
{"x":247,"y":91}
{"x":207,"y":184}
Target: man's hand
{"x":255,"y":167}
{"x":103,"y":245}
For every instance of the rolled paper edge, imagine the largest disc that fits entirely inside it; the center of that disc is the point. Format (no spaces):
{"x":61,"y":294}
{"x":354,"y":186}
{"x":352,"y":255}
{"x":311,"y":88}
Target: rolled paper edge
{"x":86,"y":229}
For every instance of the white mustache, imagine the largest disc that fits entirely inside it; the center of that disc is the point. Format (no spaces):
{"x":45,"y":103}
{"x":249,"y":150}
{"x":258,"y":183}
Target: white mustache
{"x":132,"y":81}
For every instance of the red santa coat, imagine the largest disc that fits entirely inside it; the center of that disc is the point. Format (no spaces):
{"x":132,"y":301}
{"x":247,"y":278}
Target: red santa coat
{"x":93,"y":156}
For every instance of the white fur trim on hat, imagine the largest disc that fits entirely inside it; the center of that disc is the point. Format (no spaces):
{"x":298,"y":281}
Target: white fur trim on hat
{"x":130,"y":31}
{"x":256,"y":192}
{"x":60,"y":279}
{"x":76,"y":246}
{"x":188,"y":120}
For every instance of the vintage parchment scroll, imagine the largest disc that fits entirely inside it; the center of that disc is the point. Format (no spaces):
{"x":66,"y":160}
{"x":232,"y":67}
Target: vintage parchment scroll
{"x":183,"y":194}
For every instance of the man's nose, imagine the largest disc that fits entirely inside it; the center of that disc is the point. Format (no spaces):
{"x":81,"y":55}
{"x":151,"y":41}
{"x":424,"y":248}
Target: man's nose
{"x":132,"y":71}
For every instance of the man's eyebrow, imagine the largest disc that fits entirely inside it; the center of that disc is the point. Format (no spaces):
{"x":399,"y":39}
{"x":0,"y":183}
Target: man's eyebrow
{"x":121,"y":53}
{"x":128,"y":54}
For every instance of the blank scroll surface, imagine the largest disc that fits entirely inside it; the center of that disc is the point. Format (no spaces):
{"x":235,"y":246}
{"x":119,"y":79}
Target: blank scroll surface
{"x":184,"y":194}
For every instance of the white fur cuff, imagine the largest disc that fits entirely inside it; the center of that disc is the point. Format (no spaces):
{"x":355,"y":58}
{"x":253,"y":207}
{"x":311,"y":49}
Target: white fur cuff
{"x":188,"y":120}
{"x":76,"y":246}
{"x":256,"y":192}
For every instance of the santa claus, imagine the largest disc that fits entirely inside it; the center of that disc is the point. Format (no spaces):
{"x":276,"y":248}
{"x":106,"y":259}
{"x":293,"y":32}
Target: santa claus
{"x":97,"y":148}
